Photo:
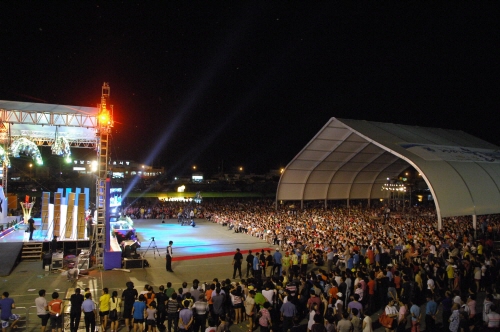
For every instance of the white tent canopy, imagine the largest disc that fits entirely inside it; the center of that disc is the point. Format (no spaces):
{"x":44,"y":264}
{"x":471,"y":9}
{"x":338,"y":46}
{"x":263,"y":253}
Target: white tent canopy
{"x":352,"y":159}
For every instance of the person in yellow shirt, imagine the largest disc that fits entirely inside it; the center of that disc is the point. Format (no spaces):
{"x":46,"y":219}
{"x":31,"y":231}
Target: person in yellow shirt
{"x":479,"y":248}
{"x":304,"y":260}
{"x":285,"y":278}
{"x":104,"y":307}
{"x":450,"y":272}
{"x":285,"y":263}
{"x":295,"y":263}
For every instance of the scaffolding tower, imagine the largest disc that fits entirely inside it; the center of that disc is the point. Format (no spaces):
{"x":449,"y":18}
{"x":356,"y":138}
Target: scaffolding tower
{"x":104,"y":125}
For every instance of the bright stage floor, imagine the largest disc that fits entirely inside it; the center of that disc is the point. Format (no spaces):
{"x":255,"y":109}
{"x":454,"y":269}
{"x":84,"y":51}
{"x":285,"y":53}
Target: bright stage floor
{"x":206,"y":239}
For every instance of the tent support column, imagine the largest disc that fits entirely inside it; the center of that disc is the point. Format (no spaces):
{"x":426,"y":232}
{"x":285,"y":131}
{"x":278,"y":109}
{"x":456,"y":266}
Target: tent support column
{"x":474,"y":224}
{"x":348,"y":203}
{"x":302,"y":204}
{"x":440,"y":222}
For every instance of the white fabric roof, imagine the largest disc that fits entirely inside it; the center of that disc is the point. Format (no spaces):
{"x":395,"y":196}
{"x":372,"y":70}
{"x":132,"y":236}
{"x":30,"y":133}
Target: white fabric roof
{"x":352,"y":159}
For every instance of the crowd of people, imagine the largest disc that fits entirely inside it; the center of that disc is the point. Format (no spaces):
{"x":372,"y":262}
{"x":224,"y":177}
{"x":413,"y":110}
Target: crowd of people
{"x":333,"y":267}
{"x":368,"y":259}
{"x":279,"y":302}
{"x":162,"y":210}
{"x":389,"y":260}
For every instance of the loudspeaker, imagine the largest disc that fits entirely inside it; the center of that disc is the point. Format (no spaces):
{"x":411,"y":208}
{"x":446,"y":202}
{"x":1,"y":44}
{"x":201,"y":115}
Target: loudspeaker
{"x":127,"y":253}
{"x":135,"y":263}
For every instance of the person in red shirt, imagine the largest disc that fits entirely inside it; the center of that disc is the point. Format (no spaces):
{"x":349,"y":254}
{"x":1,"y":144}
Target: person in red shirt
{"x":55,"y":310}
{"x":332,"y":292}
{"x":371,"y":293}
{"x":313,"y":300}
{"x":397,"y":282}
{"x":370,"y":255}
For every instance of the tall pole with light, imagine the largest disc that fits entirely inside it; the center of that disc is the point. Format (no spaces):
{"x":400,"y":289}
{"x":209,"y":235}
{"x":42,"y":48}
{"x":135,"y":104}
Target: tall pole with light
{"x":104,"y":125}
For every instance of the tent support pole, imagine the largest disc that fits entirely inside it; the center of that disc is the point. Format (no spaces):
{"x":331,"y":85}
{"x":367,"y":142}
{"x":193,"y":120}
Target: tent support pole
{"x":474,"y":224}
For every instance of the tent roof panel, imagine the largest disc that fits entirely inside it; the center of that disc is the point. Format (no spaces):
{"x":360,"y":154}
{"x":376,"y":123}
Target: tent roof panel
{"x":462,"y":171}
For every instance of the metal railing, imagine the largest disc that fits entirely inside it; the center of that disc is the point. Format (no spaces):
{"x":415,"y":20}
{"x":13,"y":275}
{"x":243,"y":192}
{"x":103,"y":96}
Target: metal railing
{"x":22,"y":323}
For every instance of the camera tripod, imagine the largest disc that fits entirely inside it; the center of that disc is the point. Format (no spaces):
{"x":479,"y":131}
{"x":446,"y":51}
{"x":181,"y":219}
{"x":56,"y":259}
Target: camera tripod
{"x":152,"y":245}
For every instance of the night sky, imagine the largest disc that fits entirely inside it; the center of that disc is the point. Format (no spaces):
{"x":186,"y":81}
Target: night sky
{"x":250,"y":83}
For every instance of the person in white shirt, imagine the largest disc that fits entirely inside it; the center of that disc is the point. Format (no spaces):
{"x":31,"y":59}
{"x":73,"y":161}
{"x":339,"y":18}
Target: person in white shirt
{"x":42,"y":308}
{"x":367,"y":324}
{"x":432,"y":250}
{"x":430,"y":284}
{"x":269,"y":294}
{"x":73,"y":272}
{"x":392,"y":312}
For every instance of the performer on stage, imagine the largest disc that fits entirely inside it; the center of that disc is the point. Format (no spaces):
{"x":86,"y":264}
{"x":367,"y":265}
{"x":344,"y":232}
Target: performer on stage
{"x":31,"y":227}
{"x":169,"y":256}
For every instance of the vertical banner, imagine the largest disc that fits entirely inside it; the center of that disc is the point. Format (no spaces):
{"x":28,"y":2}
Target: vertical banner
{"x":3,"y":205}
{"x":68,"y":231}
{"x":80,"y":217}
{"x":45,"y":211}
{"x":57,"y":213}
{"x":86,"y":191}
{"x":66,"y":196}
{"x":107,"y":227}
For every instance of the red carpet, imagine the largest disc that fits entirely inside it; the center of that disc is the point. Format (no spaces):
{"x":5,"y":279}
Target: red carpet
{"x":219,"y":254}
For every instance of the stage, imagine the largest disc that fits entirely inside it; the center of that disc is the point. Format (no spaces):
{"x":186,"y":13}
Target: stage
{"x":205,"y":240}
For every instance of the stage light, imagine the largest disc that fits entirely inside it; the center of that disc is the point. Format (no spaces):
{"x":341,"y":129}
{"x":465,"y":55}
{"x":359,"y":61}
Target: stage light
{"x":93,"y":166}
{"x":104,"y":118}
{"x":181,"y":189}
{"x":68,"y":160}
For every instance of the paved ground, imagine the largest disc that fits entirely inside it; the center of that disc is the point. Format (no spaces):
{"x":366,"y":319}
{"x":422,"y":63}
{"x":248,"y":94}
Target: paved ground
{"x":28,"y":277}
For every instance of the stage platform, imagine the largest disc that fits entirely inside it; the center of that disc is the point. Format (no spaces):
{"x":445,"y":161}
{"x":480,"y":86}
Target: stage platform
{"x":206,"y":240}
